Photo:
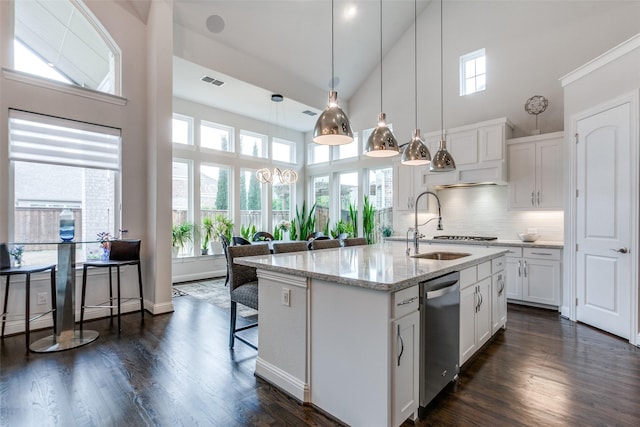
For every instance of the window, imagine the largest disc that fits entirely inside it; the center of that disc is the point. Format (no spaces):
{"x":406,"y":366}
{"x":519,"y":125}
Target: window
{"x":182,"y":130}
{"x":250,"y":200}
{"x":283,"y":151}
{"x":318,"y":153}
{"x":252,"y":144}
{"x":347,"y":151}
{"x":182,"y":201}
{"x":71,"y":44}
{"x":281,"y":203}
{"x":57,"y":163}
{"x":380,"y":193}
{"x":320,"y":190}
{"x":348,"y":191}
{"x":473,"y":72}
{"x":214,"y":191}
{"x":215,"y":136}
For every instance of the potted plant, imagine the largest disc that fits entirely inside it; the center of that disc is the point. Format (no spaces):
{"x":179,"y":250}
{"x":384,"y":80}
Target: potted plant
{"x":182,"y":236}
{"x":222,"y":226}
{"x":207,"y":234}
{"x":368,"y":220}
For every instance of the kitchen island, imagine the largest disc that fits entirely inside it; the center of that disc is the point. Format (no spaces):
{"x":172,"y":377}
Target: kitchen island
{"x":339,"y":328}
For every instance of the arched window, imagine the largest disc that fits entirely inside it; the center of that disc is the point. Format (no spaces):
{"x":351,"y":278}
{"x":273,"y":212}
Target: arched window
{"x":64,"y":41}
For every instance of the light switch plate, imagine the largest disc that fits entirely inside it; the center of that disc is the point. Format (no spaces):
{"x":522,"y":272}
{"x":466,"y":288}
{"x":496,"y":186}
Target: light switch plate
{"x":286,"y":297}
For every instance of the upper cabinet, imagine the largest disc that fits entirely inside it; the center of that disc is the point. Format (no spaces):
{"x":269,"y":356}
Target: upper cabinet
{"x":479,"y":151}
{"x":408,"y":184}
{"x":535,"y":172}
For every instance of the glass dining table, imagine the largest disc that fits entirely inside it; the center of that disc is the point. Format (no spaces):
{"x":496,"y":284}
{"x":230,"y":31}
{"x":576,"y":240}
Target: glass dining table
{"x":66,"y":336}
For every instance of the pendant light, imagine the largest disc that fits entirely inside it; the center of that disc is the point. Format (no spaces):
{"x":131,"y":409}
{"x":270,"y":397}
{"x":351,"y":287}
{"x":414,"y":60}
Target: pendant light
{"x":416,"y":153}
{"x":332,"y":126}
{"x":442,"y":160}
{"x":381,"y":142}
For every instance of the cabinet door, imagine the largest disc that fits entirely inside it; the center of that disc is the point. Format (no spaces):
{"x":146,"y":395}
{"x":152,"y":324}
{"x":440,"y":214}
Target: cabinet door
{"x":468,"y":305}
{"x":514,"y":278}
{"x":403,"y":178}
{"x":463,"y":146}
{"x":498,"y":302}
{"x":549,"y":174}
{"x":406,"y":368}
{"x":483,"y":316}
{"x":542,"y":281}
{"x":522,"y":175}
{"x":491,"y":143}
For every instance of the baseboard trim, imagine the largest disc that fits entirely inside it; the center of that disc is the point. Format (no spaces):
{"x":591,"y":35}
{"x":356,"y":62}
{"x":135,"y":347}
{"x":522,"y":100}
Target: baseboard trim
{"x":283,"y":380}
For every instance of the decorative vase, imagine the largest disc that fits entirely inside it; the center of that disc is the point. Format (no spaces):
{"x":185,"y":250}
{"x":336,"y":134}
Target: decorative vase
{"x":17,"y":262}
{"x":104,"y":256}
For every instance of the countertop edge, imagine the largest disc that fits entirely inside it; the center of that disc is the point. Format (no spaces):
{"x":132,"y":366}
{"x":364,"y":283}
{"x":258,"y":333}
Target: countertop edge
{"x":546,"y":244}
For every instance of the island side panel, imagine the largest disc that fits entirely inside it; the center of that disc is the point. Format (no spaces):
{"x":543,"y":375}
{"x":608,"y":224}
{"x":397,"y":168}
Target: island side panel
{"x":350,"y":353}
{"x":282,"y":331}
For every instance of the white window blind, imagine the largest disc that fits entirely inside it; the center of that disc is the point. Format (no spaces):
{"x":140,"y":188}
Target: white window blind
{"x":43,"y":139}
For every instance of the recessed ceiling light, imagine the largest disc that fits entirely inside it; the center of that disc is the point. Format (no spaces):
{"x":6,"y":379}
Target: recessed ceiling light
{"x":215,"y":24}
{"x":350,"y":11}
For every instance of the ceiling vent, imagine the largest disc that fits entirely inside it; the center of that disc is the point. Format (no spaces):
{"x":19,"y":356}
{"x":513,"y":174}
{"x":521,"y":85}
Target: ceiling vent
{"x":211,"y":80}
{"x":309,"y":113}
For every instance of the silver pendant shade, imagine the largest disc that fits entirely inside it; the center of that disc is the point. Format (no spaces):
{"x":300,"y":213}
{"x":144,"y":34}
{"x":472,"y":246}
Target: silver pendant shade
{"x":416,"y":152}
{"x":381,"y":142}
{"x":442,"y":161}
{"x":332,"y":126}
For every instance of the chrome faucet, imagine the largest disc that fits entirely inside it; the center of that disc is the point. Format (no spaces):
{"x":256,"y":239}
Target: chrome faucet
{"x":416,"y":232}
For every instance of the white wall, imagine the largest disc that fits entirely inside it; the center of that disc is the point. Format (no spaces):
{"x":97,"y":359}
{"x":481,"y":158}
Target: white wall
{"x":483,"y":211}
{"x":529,"y":46}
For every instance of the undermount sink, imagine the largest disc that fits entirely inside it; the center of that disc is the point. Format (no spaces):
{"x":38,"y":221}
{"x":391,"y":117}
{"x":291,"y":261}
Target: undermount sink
{"x":441,"y":256}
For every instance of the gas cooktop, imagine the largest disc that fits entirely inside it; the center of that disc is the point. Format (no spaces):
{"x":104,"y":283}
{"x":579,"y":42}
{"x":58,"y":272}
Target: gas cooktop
{"x":475,"y":238}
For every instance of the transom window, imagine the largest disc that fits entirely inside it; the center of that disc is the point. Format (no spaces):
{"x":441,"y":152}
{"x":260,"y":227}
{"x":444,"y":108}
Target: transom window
{"x":473,"y":72}
{"x":283,"y":151}
{"x":182,"y":130}
{"x":216,"y":136}
{"x":252,"y":144}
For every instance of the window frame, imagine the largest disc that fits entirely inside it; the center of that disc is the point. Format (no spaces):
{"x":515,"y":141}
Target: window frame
{"x":464,"y":60}
{"x":230,"y":130}
{"x":264,"y":143}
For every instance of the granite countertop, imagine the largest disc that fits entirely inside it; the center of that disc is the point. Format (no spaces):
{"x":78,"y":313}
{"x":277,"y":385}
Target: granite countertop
{"x":382,"y":267}
{"x":548,"y":244}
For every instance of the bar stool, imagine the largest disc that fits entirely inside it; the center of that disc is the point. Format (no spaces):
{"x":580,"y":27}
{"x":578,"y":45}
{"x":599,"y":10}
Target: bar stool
{"x":123,"y":252}
{"x":7,"y":270}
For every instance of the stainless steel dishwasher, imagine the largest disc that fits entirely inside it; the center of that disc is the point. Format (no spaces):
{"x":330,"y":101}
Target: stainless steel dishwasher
{"x":439,"y":334}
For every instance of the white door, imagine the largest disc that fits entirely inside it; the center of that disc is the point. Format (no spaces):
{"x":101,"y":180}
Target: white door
{"x":604,"y":212}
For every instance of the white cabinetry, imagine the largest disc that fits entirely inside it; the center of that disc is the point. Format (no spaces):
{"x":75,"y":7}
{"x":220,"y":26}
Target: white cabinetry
{"x":533,"y":275}
{"x":479,"y":151}
{"x":535,"y":172}
{"x":408,"y":183}
{"x":498,"y":294}
{"x":475,"y":309}
{"x":406,"y":354}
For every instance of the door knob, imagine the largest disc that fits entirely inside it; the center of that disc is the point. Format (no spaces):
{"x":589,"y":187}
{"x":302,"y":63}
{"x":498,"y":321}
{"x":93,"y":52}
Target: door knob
{"x":621,"y":250}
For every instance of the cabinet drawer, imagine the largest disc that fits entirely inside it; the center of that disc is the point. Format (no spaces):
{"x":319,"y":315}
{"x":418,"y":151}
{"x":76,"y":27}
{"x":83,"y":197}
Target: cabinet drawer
{"x":484,"y":270}
{"x":468,"y":277}
{"x":542,"y":253}
{"x":405,"y":301}
{"x":498,"y":264}
{"x":514,"y":251}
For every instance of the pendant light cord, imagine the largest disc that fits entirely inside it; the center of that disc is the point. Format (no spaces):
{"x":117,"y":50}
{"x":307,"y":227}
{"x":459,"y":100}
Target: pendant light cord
{"x":441,"y":77}
{"x":381,"y":57}
{"x":415,"y":57}
{"x":332,"y":67}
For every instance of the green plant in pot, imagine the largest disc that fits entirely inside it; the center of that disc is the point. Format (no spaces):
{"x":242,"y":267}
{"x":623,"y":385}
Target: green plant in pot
{"x":368,"y":220}
{"x":182,"y":236}
{"x":207,"y":234}
{"x":222,"y":226}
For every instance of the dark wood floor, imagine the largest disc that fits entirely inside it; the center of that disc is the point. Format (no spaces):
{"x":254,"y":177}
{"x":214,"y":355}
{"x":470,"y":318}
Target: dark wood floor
{"x":176,"y":370}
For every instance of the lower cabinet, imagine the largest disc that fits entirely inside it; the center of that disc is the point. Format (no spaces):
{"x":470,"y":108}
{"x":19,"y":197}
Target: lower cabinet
{"x":534,"y":275}
{"x":406,"y":368}
{"x":499,"y":296}
{"x":475,"y":310}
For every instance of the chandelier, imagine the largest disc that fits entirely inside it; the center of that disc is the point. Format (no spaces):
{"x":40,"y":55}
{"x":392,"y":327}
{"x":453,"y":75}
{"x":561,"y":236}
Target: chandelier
{"x":286,"y":176}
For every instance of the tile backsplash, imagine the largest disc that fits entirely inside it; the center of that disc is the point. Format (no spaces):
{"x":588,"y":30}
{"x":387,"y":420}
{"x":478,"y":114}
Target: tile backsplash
{"x":483,"y":211}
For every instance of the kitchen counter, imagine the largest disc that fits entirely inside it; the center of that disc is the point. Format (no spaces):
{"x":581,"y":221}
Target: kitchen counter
{"x":340,"y":328}
{"x":381,"y":267}
{"x":549,"y":244}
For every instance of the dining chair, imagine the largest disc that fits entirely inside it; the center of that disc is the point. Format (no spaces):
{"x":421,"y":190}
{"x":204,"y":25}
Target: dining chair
{"x":315,"y":235}
{"x":243,"y":287}
{"x":27,"y":271}
{"x":122,"y":253}
{"x":237,"y":240}
{"x":354,"y":241}
{"x":262,"y":235}
{"x":284,"y":247}
{"x":324,"y":244}
{"x":225,"y":245}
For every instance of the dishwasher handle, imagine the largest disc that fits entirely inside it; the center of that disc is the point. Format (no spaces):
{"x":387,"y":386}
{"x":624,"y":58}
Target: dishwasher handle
{"x":448,"y":287}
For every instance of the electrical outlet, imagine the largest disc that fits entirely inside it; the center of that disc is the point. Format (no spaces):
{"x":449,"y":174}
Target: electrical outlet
{"x":286,"y":297}
{"x":42,"y":298}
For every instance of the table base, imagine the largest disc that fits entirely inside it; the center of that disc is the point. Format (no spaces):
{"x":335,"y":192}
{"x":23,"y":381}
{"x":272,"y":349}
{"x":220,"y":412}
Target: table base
{"x":48,"y":344}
